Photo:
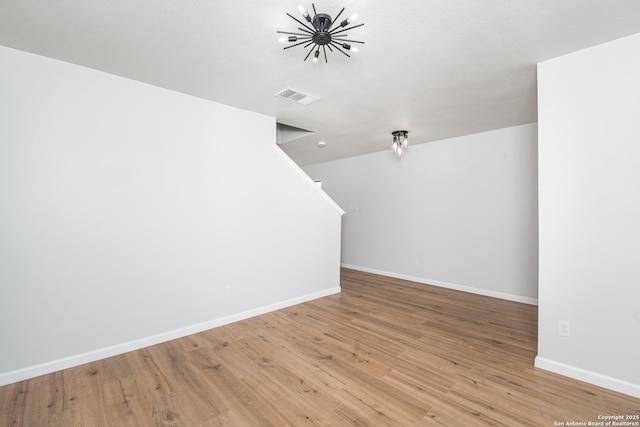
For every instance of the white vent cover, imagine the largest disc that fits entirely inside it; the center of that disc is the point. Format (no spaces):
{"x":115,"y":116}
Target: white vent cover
{"x":296,"y":96}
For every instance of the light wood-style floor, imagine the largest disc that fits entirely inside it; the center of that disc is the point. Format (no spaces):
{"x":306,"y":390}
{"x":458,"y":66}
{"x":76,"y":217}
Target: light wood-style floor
{"x":384,"y":352}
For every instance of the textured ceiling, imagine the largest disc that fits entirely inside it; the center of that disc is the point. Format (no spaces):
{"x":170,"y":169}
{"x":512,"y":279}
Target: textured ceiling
{"x":439,"y":69}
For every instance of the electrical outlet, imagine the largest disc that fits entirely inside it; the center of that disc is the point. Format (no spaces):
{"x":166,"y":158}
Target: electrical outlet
{"x":227,"y":291}
{"x":564,"y":328}
{"x":416,"y":261}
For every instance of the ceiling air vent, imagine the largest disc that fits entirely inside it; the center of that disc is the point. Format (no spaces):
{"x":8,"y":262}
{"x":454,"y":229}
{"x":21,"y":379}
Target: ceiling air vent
{"x":296,"y":96}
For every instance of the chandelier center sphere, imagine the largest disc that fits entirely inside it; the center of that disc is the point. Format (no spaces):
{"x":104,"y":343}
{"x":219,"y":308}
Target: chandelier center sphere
{"x":321,"y":38}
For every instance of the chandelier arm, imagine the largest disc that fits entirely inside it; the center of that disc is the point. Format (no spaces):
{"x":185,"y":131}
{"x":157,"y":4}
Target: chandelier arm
{"x":310,"y":42}
{"x":337,"y":30}
{"x":347,"y":40}
{"x":340,"y":50}
{"x":293,"y":34}
{"x":306,"y":31}
{"x":325,"y":55}
{"x":314,"y":14}
{"x":297,"y":44}
{"x":335,"y":19}
{"x":329,"y":46}
{"x":300,"y":22}
{"x":314,"y":46}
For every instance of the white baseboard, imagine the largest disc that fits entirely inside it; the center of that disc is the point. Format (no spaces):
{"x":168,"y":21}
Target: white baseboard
{"x":91,"y":356}
{"x":470,"y":289}
{"x":605,"y":381}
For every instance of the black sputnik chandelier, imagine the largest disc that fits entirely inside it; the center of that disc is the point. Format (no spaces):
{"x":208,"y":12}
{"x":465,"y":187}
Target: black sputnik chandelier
{"x":323,"y":34}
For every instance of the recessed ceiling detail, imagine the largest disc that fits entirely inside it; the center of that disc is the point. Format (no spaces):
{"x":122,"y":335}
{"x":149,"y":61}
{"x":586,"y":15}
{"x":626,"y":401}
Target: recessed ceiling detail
{"x":286,"y":133}
{"x":296,"y":96}
{"x":321,"y":35}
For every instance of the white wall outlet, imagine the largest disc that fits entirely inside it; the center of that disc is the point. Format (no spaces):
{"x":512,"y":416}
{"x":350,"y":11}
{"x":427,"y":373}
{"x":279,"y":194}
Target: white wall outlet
{"x":564,"y":328}
{"x":416,"y":261}
{"x":227,"y":291}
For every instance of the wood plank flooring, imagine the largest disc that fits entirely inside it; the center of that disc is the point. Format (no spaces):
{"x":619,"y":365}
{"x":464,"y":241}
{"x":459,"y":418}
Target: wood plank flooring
{"x":384,"y":352}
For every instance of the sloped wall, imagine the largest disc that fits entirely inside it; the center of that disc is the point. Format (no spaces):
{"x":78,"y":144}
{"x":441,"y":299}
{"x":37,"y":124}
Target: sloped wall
{"x":130,"y":214}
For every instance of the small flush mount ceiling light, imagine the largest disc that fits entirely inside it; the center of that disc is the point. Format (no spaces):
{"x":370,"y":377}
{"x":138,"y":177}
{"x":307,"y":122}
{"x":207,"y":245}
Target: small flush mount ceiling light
{"x":321,"y":34}
{"x":400,"y":142}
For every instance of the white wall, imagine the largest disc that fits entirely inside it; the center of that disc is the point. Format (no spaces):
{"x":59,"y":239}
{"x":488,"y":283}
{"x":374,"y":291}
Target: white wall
{"x":589,"y":167}
{"x":126,"y":210}
{"x":460,"y":213}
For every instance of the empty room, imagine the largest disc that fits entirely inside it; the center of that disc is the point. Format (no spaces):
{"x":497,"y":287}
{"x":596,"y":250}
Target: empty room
{"x":415,"y":213}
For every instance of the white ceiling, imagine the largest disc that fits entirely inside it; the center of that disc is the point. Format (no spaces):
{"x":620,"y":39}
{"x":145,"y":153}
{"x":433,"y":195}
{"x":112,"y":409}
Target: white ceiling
{"x":437,"y":68}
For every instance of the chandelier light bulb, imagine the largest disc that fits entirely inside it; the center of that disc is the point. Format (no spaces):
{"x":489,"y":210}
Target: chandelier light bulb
{"x":349,"y":20}
{"x":316,"y":55}
{"x":304,"y":13}
{"x":354,"y":49}
{"x":282,"y":39}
